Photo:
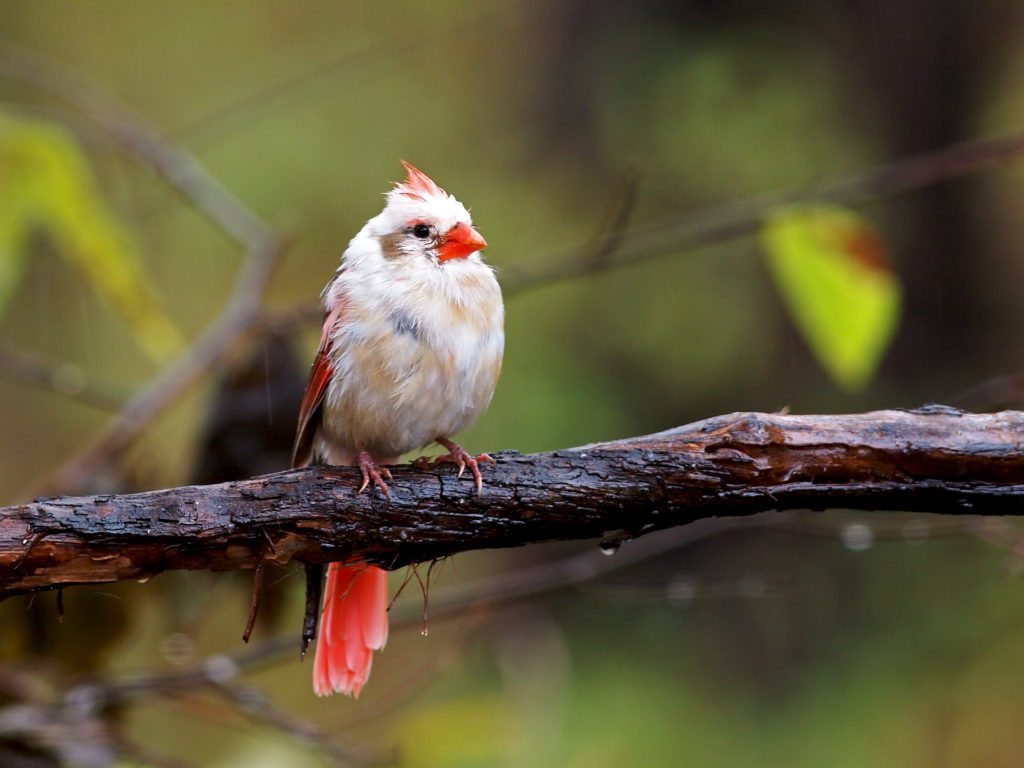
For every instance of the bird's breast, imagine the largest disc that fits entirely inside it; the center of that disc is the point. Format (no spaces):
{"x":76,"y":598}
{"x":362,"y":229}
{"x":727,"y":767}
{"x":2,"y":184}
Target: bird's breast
{"x":411,"y":368}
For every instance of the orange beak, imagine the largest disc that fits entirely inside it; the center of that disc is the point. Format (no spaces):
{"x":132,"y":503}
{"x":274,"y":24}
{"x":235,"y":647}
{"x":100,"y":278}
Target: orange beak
{"x":460,"y":241}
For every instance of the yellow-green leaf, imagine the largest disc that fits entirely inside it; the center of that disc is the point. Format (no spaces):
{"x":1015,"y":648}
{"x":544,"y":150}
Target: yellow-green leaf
{"x":831,"y":268}
{"x":12,"y":254}
{"x":46,"y":184}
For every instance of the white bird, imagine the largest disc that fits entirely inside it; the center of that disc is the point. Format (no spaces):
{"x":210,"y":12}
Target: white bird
{"x":410,"y":354}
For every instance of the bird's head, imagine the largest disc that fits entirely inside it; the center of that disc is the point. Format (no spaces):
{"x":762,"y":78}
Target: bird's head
{"x":422,"y":220}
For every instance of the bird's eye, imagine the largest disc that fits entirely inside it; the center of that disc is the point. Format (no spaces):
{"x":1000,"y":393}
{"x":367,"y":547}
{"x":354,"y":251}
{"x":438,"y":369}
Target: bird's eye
{"x":421,"y":230}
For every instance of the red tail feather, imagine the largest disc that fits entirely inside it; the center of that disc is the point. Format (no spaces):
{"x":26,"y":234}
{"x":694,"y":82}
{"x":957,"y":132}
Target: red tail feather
{"x":354,"y":625}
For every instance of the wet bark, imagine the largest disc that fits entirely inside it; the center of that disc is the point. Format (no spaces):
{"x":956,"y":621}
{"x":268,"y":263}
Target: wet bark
{"x":933,"y":459}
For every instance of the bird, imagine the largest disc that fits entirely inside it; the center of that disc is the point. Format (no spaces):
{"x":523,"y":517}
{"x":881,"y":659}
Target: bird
{"x":410,"y":354}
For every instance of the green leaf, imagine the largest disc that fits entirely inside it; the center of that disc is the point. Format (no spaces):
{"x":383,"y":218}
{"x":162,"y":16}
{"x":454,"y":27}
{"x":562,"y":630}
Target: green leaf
{"x":831,"y":268}
{"x":46,"y":184}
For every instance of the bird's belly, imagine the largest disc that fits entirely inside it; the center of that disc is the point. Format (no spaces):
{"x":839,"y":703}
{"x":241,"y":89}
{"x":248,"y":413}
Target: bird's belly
{"x":394,"y":392}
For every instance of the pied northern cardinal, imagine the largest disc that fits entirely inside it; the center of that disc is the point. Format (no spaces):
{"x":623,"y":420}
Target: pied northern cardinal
{"x":410,"y":355}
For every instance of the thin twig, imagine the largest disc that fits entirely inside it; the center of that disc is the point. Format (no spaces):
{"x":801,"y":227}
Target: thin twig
{"x":410,"y":41}
{"x":253,"y":704}
{"x":718,"y":224}
{"x":311,"y":613}
{"x":219,"y":674}
{"x":993,"y":394}
{"x":136,"y":754}
{"x":257,"y":594}
{"x":66,"y":379}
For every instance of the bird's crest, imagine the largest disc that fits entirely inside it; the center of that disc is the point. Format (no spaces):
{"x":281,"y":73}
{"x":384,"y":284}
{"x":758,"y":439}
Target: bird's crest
{"x":418,"y":185}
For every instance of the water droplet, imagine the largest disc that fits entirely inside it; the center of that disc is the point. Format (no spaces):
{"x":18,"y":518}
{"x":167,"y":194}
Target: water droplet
{"x":916,"y":531}
{"x":610,"y":546}
{"x":681,"y":593}
{"x":751,"y":587}
{"x":69,"y":379}
{"x":857,"y":537}
{"x":178,"y":648}
{"x":219,"y":668}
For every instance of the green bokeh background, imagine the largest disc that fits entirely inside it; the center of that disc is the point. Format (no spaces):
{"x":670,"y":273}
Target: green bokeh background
{"x":790,"y":648}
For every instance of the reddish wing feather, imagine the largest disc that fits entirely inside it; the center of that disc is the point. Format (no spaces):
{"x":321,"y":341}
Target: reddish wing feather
{"x":309,"y":414}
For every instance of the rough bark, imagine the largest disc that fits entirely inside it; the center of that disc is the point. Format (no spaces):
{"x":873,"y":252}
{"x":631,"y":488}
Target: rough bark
{"x":933,"y":459}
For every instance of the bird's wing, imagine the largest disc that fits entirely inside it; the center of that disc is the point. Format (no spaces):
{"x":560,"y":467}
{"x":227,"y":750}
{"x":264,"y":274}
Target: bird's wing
{"x":312,"y":400}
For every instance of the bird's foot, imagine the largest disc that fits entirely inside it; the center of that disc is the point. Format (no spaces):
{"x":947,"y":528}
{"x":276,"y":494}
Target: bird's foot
{"x":371,"y":471}
{"x":457,"y":455}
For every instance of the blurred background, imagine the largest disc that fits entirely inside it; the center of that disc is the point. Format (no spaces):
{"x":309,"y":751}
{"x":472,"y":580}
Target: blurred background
{"x":805,"y":640}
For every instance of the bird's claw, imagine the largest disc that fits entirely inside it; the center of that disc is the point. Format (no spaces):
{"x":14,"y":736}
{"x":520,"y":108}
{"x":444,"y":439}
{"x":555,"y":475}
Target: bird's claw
{"x":371,"y":471}
{"x":457,"y":455}
{"x":456,"y":459}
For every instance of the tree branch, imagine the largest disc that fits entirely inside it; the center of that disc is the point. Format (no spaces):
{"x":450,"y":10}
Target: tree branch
{"x":934,"y":459}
